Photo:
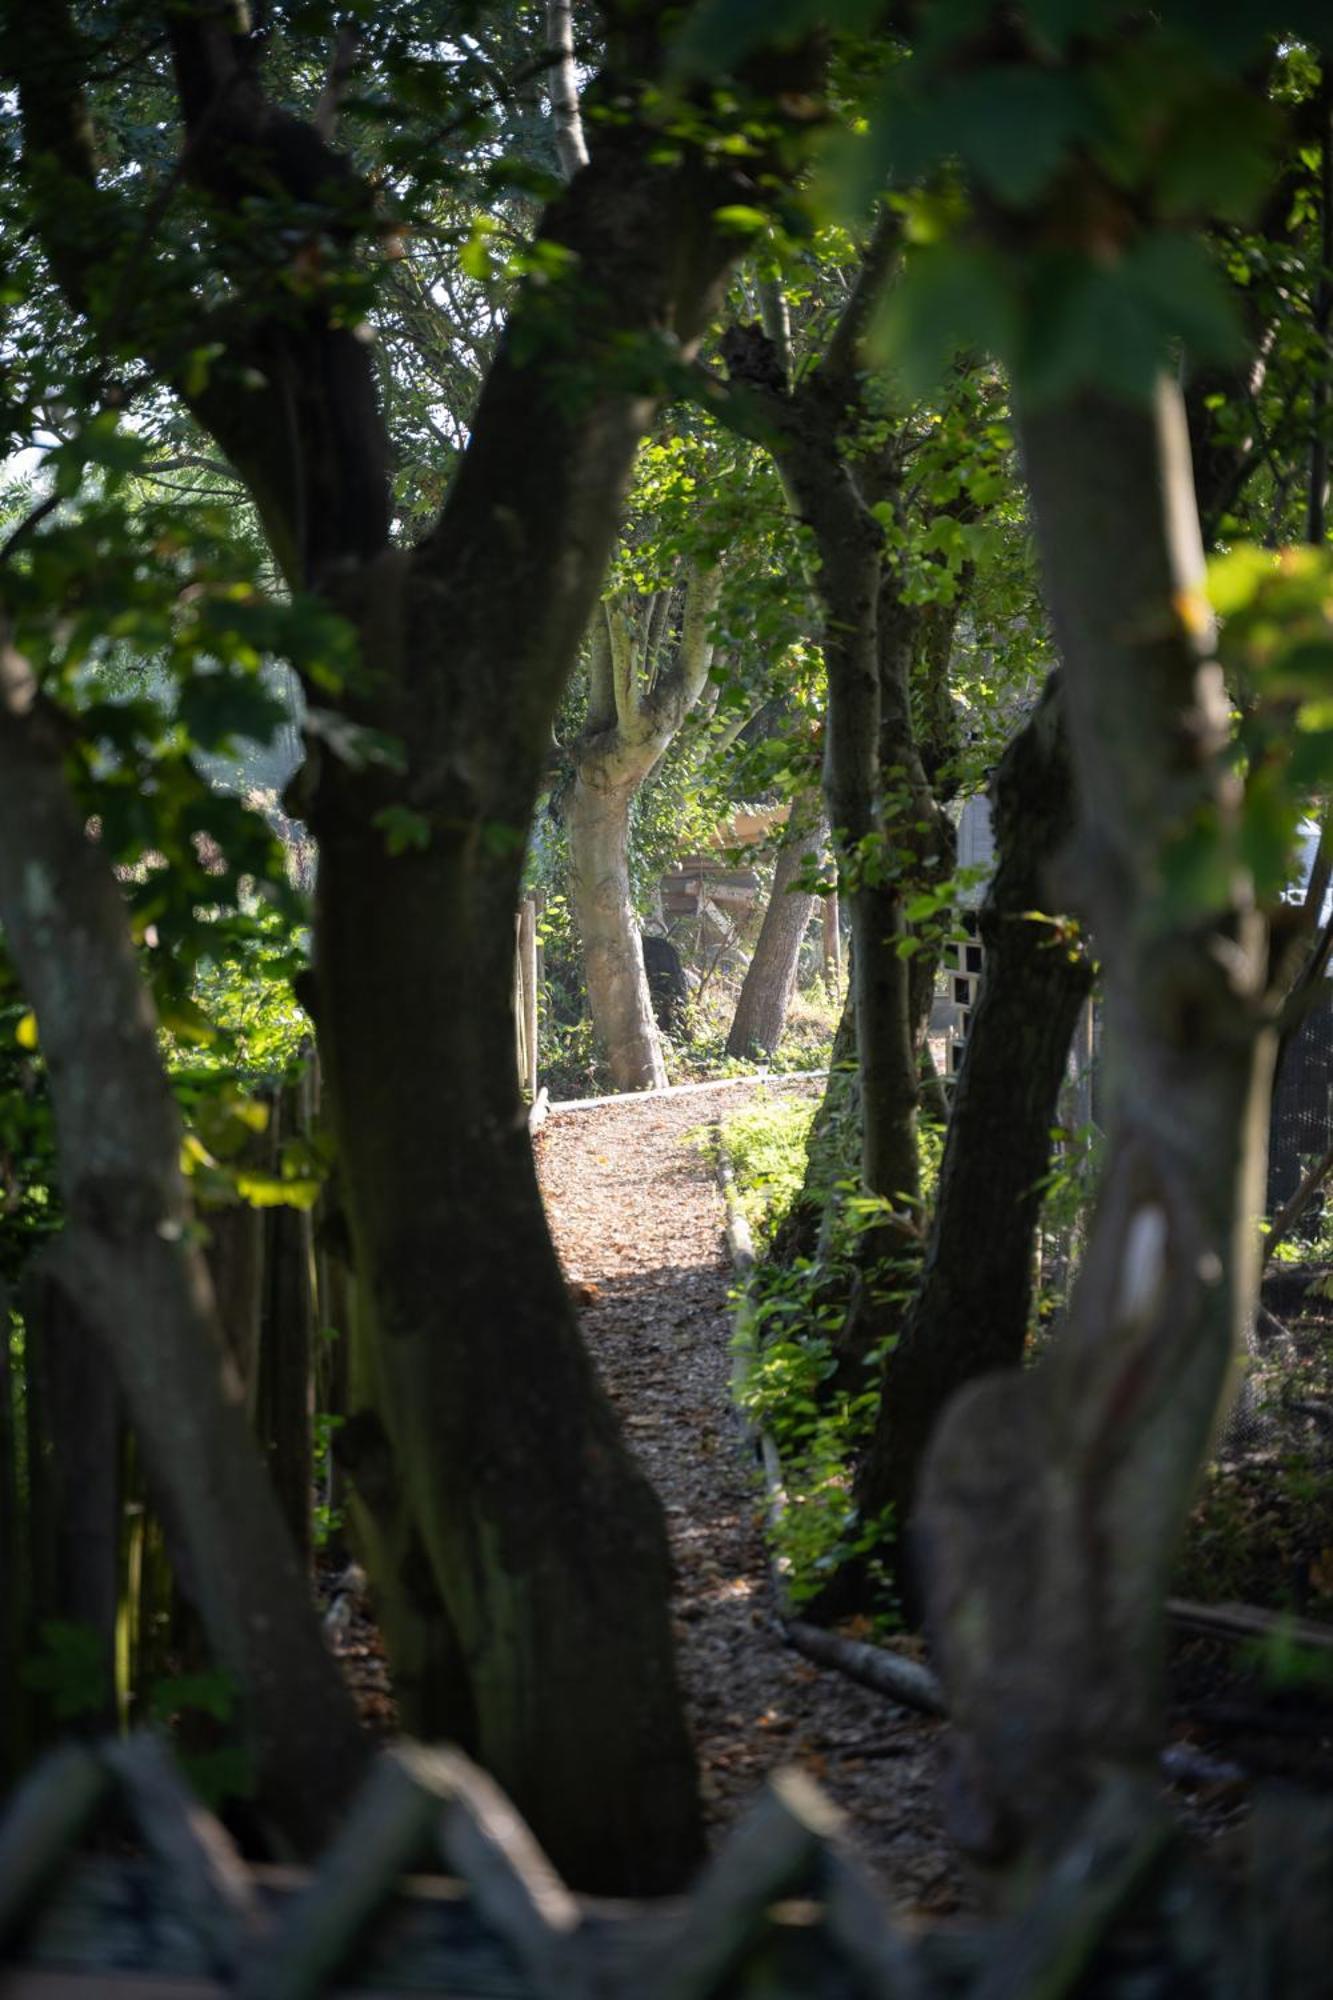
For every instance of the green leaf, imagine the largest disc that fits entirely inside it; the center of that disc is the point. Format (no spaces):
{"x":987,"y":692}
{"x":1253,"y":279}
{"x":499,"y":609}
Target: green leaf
{"x":1217,"y":160}
{"x":217,"y":708}
{"x":719,"y":33}
{"x":1269,"y":816}
{"x":187,"y":1022}
{"x":737,"y":220}
{"x":261,"y":1190}
{"x":205,"y":1694}
{"x":1234,"y":579}
{"x":1114,"y":325}
{"x":71,"y":1669}
{"x":216,"y":1775}
{"x":1014,"y":125}
{"x":950,"y":296}
{"x":402,"y":828}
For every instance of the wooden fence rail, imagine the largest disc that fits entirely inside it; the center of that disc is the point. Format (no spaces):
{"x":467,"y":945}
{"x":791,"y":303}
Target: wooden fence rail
{"x":784,"y":1910}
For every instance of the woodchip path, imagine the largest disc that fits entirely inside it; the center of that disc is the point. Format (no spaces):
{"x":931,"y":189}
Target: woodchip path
{"x":638,"y":1221}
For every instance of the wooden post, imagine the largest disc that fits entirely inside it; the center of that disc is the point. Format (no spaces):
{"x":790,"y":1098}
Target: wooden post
{"x":286,"y":1352}
{"x":831,"y":927}
{"x":527,"y":962}
{"x":75,"y":1441}
{"x":520,"y":1011}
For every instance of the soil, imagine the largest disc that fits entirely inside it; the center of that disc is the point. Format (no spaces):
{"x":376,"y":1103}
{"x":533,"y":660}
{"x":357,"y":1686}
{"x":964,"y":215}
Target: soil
{"x":638,"y":1221}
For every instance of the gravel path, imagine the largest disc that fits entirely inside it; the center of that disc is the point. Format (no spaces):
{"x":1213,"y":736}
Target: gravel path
{"x":638,"y":1221}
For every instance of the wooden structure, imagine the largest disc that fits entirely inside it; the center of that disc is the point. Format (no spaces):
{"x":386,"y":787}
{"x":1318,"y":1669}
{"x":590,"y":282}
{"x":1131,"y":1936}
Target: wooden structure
{"x":783,"y":1910}
{"x":527,"y":983}
{"x":964,"y":963}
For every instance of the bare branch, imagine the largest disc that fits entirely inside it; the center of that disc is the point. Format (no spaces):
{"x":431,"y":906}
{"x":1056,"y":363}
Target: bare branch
{"x":562,"y":86}
{"x":324,"y":118}
{"x":601,"y":689}
{"x":843,"y":358}
{"x":624,"y":676}
{"x":680,"y":686}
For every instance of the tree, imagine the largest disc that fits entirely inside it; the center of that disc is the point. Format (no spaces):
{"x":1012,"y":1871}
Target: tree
{"x":889,"y":494}
{"x":1052,"y":1500}
{"x":971,"y":1310}
{"x":770,"y":978}
{"x":518,"y":1552}
{"x":643,"y":680}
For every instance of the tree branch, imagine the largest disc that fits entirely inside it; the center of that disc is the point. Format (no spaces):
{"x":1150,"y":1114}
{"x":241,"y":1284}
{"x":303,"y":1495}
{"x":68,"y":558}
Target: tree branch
{"x":624,"y":675}
{"x":843,"y":356}
{"x":680,"y":686}
{"x":601,"y":687}
{"x":562,"y":86}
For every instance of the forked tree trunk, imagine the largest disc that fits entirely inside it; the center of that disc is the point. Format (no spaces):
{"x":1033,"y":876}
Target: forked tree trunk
{"x":1052,"y":1501}
{"x":640,"y":692}
{"x":770,"y":978}
{"x":971,"y":1309}
{"x":598,"y":816}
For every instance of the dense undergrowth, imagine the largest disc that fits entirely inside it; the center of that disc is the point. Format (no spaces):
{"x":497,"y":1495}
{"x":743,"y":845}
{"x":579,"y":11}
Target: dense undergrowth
{"x":571,"y":1066}
{"x":788,"y":1321}
{"x":1261,"y":1530}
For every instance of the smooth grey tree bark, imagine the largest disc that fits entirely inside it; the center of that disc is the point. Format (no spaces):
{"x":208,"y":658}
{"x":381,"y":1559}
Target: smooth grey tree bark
{"x":642,"y":686}
{"x":766,"y":991}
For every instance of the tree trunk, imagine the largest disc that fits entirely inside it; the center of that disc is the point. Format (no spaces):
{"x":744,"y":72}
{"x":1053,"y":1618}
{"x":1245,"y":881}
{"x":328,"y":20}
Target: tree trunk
{"x":286,"y":1367}
{"x":831,"y":944}
{"x":14,"y":1567}
{"x":543,"y":1538}
{"x":971,"y":1309}
{"x":129,"y":1267}
{"x":74,"y":1390}
{"x":832,"y":1150}
{"x":770,"y":978}
{"x":1052,"y":1501}
{"x":618,"y":996}
{"x":640,"y":692}
{"x":850,"y":545}
{"x":520,"y":1556}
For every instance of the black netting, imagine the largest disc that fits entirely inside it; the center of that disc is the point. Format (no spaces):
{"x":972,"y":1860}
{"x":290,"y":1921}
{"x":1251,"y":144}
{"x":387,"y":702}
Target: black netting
{"x":1300,"y":1129}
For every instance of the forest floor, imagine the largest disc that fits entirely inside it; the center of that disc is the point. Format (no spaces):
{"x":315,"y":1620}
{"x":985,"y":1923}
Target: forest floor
{"x":638,"y":1221}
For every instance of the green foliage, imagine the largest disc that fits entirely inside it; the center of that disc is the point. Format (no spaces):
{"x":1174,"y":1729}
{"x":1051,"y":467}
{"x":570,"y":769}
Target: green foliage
{"x":28,"y":1202}
{"x":198,"y":1708}
{"x":327,"y":1521}
{"x":787,"y":1328}
{"x":766,"y":1146}
{"x":70,"y":1669}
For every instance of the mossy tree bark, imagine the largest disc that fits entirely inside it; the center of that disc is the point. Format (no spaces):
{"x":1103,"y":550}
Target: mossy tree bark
{"x":1052,"y":1501}
{"x":520,"y":1555}
{"x":126,"y":1265}
{"x":971,"y":1308}
{"x":812,"y":430}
